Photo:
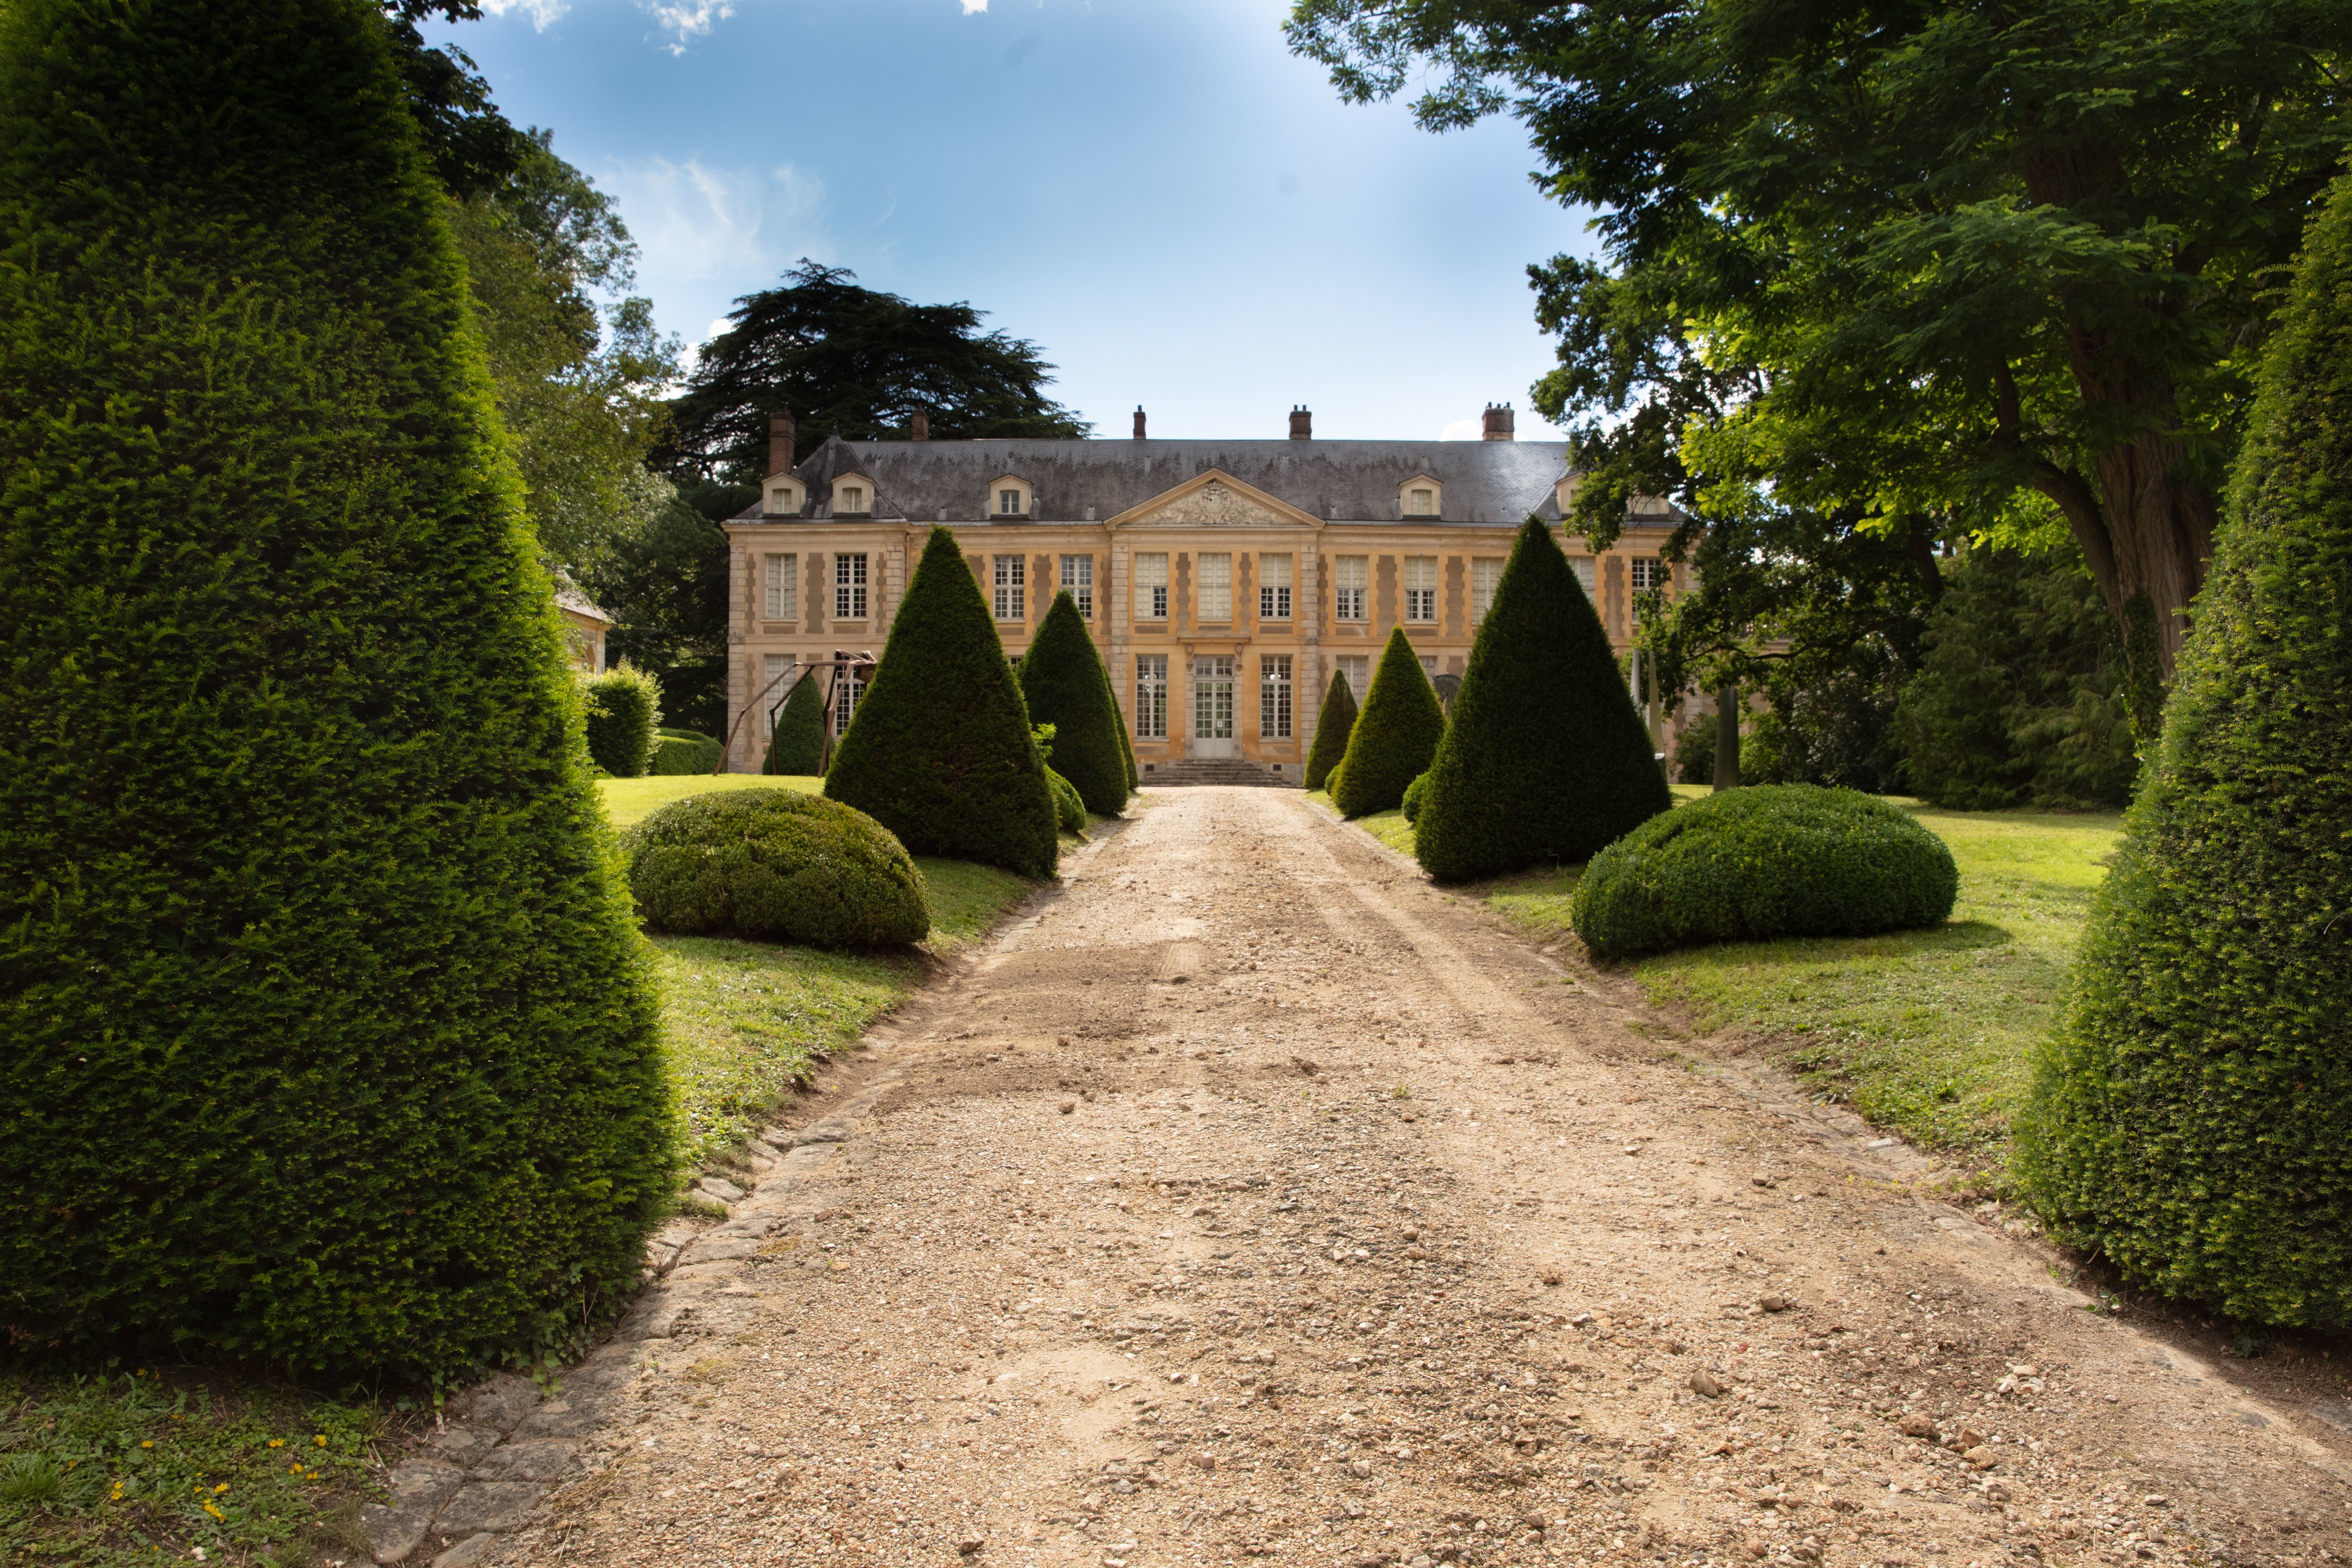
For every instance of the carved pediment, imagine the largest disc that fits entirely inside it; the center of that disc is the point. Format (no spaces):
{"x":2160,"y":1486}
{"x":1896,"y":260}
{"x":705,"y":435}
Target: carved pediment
{"x":1215,"y":500}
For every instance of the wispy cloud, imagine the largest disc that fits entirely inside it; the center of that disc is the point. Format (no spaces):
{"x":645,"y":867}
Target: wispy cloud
{"x":694,"y":223}
{"x":542,"y":13}
{"x":971,"y":6}
{"x":688,"y":19}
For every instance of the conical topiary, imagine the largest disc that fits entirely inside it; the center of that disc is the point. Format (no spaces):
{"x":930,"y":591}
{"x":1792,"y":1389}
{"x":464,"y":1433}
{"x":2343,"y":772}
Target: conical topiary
{"x":1062,"y":680}
{"x":1333,"y":725}
{"x":1394,"y":736}
{"x":326,"y":1036}
{"x":1545,"y":760}
{"x":797,"y":744}
{"x":2187,"y":1121}
{"x":1119,"y":722}
{"x":941,"y":752}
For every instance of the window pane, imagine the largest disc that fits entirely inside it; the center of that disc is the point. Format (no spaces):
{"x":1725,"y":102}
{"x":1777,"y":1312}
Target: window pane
{"x":1273,"y":697}
{"x":1010,"y":585}
{"x":1152,"y":587}
{"x":1584,"y":572}
{"x":1151,"y":696}
{"x":1216,"y":598}
{"x":1486,"y":571}
{"x":1349,"y":576}
{"x":849,"y":587}
{"x":1078,"y":578}
{"x":781,"y":576}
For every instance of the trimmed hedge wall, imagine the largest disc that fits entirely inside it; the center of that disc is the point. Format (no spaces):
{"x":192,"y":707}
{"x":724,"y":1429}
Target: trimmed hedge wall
{"x":774,"y":865}
{"x":797,"y":746}
{"x":1395,"y":735}
{"x":1546,"y":759}
{"x":1769,"y":860}
{"x":941,"y":752}
{"x":2188,"y":1119}
{"x":679,"y":752}
{"x":1333,"y":725}
{"x":623,"y":718}
{"x":1062,"y":681}
{"x":327,"y":1037}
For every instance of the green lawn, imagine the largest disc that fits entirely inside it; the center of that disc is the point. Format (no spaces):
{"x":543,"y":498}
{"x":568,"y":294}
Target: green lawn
{"x":626,"y":800}
{"x":1928,"y":1032}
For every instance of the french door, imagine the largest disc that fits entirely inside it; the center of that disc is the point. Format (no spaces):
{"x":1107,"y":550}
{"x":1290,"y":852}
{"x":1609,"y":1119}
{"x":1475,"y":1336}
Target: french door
{"x":1212,"y":706}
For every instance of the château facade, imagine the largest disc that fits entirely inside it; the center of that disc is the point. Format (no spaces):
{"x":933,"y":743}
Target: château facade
{"x":1225,"y":581}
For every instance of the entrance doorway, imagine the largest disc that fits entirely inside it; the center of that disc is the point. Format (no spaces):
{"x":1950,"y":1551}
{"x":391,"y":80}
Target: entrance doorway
{"x":1212,"y":706}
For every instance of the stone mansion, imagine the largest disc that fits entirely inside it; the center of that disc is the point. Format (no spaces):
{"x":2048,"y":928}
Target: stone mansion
{"x":1223,"y":581}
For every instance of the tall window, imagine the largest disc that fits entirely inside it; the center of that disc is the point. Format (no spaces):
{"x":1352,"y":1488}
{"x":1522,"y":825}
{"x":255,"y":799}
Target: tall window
{"x":1649,"y":573}
{"x":1358,"y":669}
{"x":1078,"y":580}
{"x":1216,"y":588}
{"x":1584,"y":572}
{"x":1274,"y":696}
{"x":1151,"y":695}
{"x":846,"y":696}
{"x":1011,"y":587}
{"x":1486,"y":571}
{"x":849,"y":587}
{"x":1152,"y":587}
{"x":1274,"y":588}
{"x":781,"y":580}
{"x":775,"y":689}
{"x":1351,"y":575}
{"x":1421,"y":587}
{"x":1008,"y":503}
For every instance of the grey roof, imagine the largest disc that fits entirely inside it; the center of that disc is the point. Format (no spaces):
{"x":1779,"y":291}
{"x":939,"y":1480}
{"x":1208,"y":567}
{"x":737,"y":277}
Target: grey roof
{"x":1348,"y":481}
{"x":572,"y":599}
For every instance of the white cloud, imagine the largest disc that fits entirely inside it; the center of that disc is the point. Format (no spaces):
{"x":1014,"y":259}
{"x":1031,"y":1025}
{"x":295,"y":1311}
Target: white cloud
{"x":693,"y":221}
{"x":542,"y":13}
{"x":971,"y":6}
{"x":689,"y":18}
{"x":1463,"y":430}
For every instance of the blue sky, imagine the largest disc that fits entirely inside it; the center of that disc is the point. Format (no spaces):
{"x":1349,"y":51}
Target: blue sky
{"x":1180,"y":213}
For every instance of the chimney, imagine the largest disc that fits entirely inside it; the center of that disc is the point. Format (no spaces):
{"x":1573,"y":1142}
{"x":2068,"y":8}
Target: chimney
{"x":1139,"y":421}
{"x":921,"y":430}
{"x":780,"y":443}
{"x":1498,"y":423}
{"x":1302,"y":424}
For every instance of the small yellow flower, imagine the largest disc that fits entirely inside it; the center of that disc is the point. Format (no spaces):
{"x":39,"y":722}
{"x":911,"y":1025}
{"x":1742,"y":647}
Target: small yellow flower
{"x":220,"y":1488}
{"x":320,"y":1439}
{"x":278,"y":1442}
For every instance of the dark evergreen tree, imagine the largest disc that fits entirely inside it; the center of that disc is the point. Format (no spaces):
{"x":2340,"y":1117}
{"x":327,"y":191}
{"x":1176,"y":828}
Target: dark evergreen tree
{"x":2187,"y":1121}
{"x":1119,"y":722}
{"x":326,"y":1034}
{"x":1545,"y":760}
{"x":797,"y":746}
{"x":1332,"y":728}
{"x":1395,"y":735}
{"x":1062,"y":680}
{"x":941,"y":753}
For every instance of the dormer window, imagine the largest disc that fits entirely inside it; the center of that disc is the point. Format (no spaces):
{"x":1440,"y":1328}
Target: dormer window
{"x":1009,"y":496}
{"x":853,"y":496}
{"x":1563,"y":493}
{"x":784,"y":497}
{"x":1008,"y":503}
{"x":1421,"y":496}
{"x":1421,"y":501}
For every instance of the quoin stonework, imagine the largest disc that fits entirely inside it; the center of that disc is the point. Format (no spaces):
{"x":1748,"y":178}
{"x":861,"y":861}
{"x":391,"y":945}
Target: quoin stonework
{"x":1223,"y":581}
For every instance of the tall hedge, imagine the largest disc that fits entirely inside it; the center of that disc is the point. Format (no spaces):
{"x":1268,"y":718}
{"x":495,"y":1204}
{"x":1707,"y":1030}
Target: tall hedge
{"x":2187,"y":1120}
{"x":624,"y":716}
{"x":1394,"y":737}
{"x":941,"y":752}
{"x":1333,"y":725}
{"x":1545,"y":760}
{"x":796,"y":745}
{"x":1062,"y":681}
{"x":326,"y":1036}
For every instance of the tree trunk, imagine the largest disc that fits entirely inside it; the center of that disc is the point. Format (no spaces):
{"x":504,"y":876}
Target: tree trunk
{"x":1727,"y":738}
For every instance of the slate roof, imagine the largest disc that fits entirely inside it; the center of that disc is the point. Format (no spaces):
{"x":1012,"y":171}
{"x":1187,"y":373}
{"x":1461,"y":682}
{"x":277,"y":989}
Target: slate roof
{"x":1345,"y":481}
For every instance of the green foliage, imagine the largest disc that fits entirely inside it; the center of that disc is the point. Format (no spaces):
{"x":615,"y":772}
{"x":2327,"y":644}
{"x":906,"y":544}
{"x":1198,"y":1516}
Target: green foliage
{"x":940,"y":752}
{"x":2188,"y":1119}
{"x":1413,"y":794}
{"x":1069,"y":805}
{"x":842,"y":358}
{"x":1065,"y":685}
{"x":1545,"y":760}
{"x":664,"y":582}
{"x":1695,"y":754}
{"x":1331,"y":779}
{"x":624,"y":714}
{"x":1333,"y":726}
{"x":677,"y":751}
{"x":1839,"y":733}
{"x":2020,"y":698}
{"x":1751,"y":863}
{"x":1394,"y":736}
{"x":774,"y":865}
{"x":797,"y":744}
{"x":326,"y":1038}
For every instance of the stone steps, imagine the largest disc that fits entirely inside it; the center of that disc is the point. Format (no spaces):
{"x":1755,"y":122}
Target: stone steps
{"x":1220,"y":771}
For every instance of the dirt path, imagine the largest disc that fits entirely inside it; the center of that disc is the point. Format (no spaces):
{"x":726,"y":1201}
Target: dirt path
{"x":1256,"y":1201}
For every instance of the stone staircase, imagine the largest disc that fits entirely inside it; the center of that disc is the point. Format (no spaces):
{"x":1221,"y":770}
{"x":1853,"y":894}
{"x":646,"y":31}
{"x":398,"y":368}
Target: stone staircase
{"x":1219,"y":770}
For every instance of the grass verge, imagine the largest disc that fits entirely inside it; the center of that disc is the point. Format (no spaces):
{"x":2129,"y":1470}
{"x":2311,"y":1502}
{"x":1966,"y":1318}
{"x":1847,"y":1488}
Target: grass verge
{"x":627,"y":800}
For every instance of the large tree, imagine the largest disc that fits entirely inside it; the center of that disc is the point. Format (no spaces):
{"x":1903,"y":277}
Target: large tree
{"x":2016,"y":249}
{"x":845,"y":359}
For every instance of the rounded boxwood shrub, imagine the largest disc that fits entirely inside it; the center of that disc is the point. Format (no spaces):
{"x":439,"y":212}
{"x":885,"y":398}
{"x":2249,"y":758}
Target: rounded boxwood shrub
{"x":327,"y":1035}
{"x":685,"y":752}
{"x":623,"y":715}
{"x":1769,"y":861}
{"x":1069,"y":805}
{"x":1333,"y":725}
{"x":2187,"y":1119}
{"x":1062,"y":681}
{"x":1412,"y":792}
{"x":797,"y":746}
{"x":1394,"y":736}
{"x":774,"y":865}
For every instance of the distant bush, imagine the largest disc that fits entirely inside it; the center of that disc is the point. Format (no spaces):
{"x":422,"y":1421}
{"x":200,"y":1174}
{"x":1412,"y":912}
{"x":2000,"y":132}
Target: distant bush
{"x":624,"y":710}
{"x":1695,"y":752}
{"x":1771,"y":860}
{"x":1333,"y":725}
{"x":1837,"y":733}
{"x":1395,"y":735}
{"x":681,"y":752}
{"x":774,"y":865}
{"x":1412,"y":792}
{"x":1069,"y":807}
{"x":796,"y":745}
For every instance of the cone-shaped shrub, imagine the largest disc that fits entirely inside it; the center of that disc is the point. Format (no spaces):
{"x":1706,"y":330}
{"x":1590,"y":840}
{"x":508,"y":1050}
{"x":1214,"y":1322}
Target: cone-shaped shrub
{"x":1062,"y":681}
{"x":797,"y":744}
{"x":941,"y":752}
{"x":2187,"y":1120}
{"x":1545,"y":760}
{"x":326,"y":1037}
{"x":1119,"y":722}
{"x":624,"y":716}
{"x":1394,"y":736}
{"x":1332,"y":728}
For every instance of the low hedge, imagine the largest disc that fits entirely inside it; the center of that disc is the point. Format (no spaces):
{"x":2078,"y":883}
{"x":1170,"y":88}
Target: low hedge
{"x":1069,"y":805}
{"x":682,"y":752}
{"x":624,"y":712}
{"x":774,"y":865}
{"x":1769,"y":861}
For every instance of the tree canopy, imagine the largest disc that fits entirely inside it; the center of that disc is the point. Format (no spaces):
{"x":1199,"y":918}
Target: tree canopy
{"x":1908,"y":263}
{"x":842,"y":358}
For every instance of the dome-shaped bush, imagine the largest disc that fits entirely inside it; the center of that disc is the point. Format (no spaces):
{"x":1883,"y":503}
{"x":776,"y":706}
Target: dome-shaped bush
{"x":1069,"y":805}
{"x":1413,"y":794}
{"x":1778,"y":860}
{"x":777,"y":866}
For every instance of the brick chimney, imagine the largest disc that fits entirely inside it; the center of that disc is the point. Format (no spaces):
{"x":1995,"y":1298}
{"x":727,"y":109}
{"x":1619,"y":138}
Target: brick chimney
{"x":780,"y":443}
{"x":1498,"y":423}
{"x":1139,"y":421}
{"x":1302,"y":424}
{"x":920,"y":426}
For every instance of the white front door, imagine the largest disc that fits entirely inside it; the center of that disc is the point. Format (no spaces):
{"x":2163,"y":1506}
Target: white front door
{"x":1212,"y":706}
